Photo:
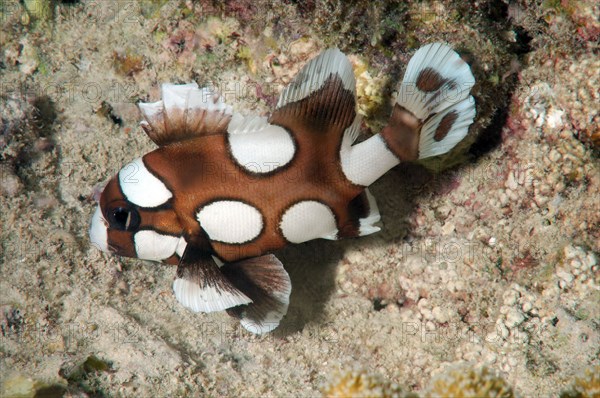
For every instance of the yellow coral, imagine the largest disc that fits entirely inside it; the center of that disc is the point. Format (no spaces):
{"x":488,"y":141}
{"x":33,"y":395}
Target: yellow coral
{"x":586,"y":386}
{"x":20,"y":386}
{"x":467,"y":382}
{"x":358,"y":383}
{"x":368,"y":88}
{"x":39,"y":9}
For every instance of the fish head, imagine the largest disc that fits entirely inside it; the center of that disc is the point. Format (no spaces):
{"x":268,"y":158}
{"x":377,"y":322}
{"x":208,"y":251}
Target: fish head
{"x":135,"y":217}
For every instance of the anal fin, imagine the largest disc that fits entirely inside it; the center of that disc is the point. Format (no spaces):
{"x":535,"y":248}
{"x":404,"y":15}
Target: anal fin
{"x":367,"y":224}
{"x":363,"y":214}
{"x":264,"y":280}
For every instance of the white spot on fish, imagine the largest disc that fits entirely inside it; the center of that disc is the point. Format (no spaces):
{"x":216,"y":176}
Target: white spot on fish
{"x":150,"y":245}
{"x":259,"y":146}
{"x":230,"y":221}
{"x":308,"y":220}
{"x":142,"y":188}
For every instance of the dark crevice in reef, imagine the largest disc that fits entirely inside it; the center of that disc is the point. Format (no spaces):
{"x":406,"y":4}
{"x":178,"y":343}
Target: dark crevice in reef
{"x":32,"y":138}
{"x":523,"y":39}
{"x":379,"y":304}
{"x":44,"y":116}
{"x":491,"y":136}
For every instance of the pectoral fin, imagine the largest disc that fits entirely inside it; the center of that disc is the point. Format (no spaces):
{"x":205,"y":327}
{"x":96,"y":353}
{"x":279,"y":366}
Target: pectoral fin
{"x":201,"y":286}
{"x":264,"y":280}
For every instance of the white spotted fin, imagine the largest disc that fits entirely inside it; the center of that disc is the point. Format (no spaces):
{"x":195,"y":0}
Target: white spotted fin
{"x":436,"y":78}
{"x":255,"y":290}
{"x":185,"y":111}
{"x":436,"y":90}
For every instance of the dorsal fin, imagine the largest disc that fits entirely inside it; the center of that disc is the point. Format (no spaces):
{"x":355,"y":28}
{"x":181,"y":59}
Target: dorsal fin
{"x":314,"y":74}
{"x":321,"y":99}
{"x":184,"y":112}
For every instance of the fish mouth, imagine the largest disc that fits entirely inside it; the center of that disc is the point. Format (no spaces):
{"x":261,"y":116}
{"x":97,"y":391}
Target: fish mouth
{"x":99,"y":231}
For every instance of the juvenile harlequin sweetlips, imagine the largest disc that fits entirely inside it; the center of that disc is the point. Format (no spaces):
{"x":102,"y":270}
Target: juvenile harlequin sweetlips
{"x":223,"y":190}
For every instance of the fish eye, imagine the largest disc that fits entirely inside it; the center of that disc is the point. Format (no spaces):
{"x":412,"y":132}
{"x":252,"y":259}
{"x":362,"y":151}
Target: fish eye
{"x":123,"y":218}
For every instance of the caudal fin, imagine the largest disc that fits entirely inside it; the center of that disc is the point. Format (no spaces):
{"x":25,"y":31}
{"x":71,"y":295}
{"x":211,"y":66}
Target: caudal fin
{"x":434,"y":108}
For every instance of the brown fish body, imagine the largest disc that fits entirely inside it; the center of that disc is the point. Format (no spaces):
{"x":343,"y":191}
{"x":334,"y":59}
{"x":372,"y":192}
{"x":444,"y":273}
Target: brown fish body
{"x":200,"y":171}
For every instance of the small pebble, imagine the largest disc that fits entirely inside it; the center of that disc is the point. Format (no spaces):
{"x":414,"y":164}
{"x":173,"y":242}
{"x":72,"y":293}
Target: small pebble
{"x":448,"y":228}
{"x":490,"y":358}
{"x":562,"y":284}
{"x":439,"y":315}
{"x":10,"y":184}
{"x":514,"y":317}
{"x":511,"y":182}
{"x":565,"y":276}
{"x":426,"y":313}
{"x":510,"y":298}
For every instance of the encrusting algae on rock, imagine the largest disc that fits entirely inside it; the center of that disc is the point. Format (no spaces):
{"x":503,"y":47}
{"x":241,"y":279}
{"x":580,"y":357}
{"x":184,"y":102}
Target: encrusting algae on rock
{"x":358,"y":383}
{"x":39,"y":9}
{"x":585,"y":386}
{"x":463,"y":381}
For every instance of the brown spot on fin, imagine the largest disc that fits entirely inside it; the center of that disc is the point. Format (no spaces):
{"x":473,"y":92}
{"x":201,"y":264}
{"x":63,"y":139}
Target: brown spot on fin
{"x":184,"y":112}
{"x":442,"y":131}
{"x":445,"y":125}
{"x":264,"y":280}
{"x":429,"y":80}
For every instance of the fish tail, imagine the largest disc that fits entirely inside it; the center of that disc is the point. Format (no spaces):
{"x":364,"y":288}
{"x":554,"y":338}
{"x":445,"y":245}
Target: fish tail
{"x":432,"y":113}
{"x":433,"y":108}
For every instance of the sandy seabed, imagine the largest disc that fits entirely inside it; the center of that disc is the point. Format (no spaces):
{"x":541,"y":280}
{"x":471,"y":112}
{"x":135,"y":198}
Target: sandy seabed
{"x":493,"y":262}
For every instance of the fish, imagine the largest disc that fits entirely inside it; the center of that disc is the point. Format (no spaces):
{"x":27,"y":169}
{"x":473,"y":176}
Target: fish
{"x":224,"y":190}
